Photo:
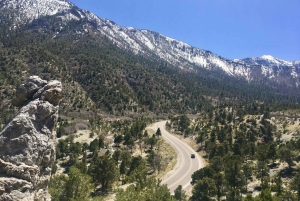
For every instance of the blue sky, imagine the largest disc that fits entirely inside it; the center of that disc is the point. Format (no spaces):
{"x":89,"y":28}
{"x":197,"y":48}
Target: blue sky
{"x":229,"y":28}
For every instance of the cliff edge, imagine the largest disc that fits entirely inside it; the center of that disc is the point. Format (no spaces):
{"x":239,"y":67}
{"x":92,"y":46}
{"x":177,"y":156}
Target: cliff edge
{"x":27,"y":142}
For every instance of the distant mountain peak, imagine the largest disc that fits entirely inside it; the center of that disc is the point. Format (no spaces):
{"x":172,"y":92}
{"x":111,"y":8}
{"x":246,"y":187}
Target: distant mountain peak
{"x":275,"y":61}
{"x":268,"y":57}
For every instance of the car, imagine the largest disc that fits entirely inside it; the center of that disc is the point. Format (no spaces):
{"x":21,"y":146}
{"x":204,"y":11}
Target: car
{"x":193,"y":156}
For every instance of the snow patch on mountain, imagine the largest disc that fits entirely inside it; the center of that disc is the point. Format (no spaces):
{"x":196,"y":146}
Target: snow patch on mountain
{"x":296,"y":63}
{"x":274,"y":60}
{"x":294,"y":74}
{"x":33,"y":9}
{"x":268,"y":57}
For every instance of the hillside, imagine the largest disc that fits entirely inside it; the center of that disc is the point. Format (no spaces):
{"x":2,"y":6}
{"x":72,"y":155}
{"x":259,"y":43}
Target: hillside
{"x":252,"y":154}
{"x":101,"y":76}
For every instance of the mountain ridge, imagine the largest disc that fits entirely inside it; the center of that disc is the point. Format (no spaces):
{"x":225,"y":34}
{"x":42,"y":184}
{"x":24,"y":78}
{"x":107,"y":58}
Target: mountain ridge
{"x":175,"y":52}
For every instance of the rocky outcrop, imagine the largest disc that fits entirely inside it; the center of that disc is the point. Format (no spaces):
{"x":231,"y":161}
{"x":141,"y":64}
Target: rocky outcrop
{"x":27,"y":143}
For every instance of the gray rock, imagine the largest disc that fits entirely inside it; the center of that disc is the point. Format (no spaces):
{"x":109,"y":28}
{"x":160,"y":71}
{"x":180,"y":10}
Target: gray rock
{"x":27,"y":143}
{"x":26,"y":91}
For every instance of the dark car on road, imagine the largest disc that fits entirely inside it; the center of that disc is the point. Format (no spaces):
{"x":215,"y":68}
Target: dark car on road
{"x":192,"y":155}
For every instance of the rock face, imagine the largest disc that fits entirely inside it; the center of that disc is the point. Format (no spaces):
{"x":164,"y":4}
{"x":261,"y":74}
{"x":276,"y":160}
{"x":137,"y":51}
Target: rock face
{"x":27,"y":143}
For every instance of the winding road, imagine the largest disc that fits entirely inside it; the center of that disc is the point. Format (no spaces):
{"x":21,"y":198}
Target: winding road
{"x":185,"y":166}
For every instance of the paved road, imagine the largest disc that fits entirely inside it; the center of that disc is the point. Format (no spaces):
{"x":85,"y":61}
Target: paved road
{"x":185,"y":166}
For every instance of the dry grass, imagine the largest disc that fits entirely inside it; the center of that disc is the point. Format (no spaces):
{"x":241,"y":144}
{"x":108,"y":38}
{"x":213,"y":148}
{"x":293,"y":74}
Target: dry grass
{"x":169,"y":155}
{"x":165,"y":150}
{"x":81,"y":136}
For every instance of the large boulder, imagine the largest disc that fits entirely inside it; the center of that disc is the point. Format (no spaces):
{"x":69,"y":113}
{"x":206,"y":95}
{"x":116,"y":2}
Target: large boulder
{"x":27,"y":142}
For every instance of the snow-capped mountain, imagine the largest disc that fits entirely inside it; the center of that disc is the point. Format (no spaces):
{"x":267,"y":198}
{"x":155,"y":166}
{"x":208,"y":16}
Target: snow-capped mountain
{"x":272,"y":67}
{"x":146,"y":42}
{"x":34,"y":9}
{"x":267,"y":60}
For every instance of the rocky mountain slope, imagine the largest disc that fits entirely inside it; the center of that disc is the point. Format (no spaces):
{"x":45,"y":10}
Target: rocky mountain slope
{"x":149,"y":43}
{"x":27,"y":142}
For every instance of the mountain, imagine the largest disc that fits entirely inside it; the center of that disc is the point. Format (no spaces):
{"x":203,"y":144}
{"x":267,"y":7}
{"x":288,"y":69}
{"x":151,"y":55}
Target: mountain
{"x":124,"y":71}
{"x":175,"y":52}
{"x":275,"y":69}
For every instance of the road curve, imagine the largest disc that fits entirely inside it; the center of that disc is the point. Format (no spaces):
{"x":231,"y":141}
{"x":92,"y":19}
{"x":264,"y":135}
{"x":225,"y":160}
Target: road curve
{"x":185,"y":166}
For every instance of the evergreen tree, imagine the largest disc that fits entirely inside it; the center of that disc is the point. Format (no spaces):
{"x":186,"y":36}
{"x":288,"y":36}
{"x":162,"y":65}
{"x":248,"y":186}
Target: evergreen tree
{"x":75,"y":186}
{"x":295,"y":184}
{"x":179,"y":194}
{"x":104,"y":171}
{"x":78,"y":185}
{"x":158,"y":132}
{"x":204,"y":189}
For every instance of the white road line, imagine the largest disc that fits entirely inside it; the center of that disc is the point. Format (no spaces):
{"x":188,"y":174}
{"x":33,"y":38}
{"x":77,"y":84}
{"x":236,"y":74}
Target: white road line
{"x":183,"y":152}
